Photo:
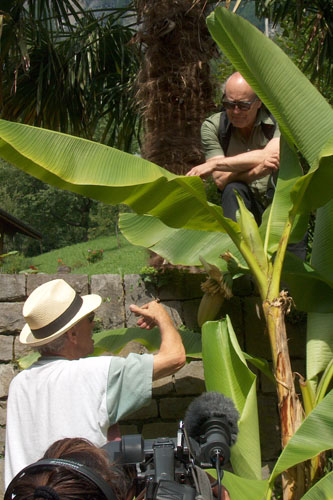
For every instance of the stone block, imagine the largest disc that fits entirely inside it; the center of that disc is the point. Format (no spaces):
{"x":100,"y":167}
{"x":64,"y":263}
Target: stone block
{"x":6,"y":350}
{"x":3,"y":409}
{"x":78,"y":281}
{"x":174,"y":408}
{"x":20,"y":350}
{"x":190,"y":379}
{"x":163,"y":386}
{"x":136,"y":292}
{"x":110,"y":288}
{"x":11,"y":319}
{"x":269,"y":425}
{"x":267,"y":468}
{"x":160,"y":429}
{"x":296,"y":333}
{"x":2,"y":476}
{"x":132,"y":346}
{"x":181,"y":285}
{"x":234,"y":309}
{"x":174,"y":309}
{"x":150,"y":411}
{"x":2,"y":437}
{"x":12,"y":287}
{"x":7,"y":373}
{"x":126,"y":429}
{"x":267,"y":385}
{"x":256,"y":338}
{"x":189,"y":314}
{"x":244,"y":286}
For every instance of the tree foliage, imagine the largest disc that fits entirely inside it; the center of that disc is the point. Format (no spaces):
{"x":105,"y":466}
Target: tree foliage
{"x":312,"y":22}
{"x":69,"y":69}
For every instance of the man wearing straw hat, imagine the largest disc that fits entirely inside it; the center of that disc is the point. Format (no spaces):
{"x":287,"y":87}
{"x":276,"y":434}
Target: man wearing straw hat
{"x":65,"y":394}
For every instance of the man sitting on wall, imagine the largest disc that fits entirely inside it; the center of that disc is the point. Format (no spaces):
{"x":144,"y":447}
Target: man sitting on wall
{"x":241,"y":146}
{"x":65,"y":394}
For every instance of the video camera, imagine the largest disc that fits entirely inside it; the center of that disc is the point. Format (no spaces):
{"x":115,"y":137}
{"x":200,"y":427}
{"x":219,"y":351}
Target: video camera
{"x":172,"y":468}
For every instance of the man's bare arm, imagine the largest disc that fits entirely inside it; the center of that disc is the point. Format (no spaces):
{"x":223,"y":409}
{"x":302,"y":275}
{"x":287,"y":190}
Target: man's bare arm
{"x":171,"y":355}
{"x":221,"y":179}
{"x":243,"y":162}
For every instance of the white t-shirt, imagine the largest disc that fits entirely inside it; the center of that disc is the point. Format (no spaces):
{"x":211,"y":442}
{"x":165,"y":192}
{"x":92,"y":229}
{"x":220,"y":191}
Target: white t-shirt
{"x":57,"y":398}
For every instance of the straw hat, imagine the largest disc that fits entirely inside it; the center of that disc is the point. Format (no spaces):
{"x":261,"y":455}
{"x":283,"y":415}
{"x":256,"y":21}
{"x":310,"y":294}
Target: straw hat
{"x":52,"y":309}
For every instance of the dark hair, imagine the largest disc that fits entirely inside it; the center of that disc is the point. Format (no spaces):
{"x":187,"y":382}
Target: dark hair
{"x":69,"y":484}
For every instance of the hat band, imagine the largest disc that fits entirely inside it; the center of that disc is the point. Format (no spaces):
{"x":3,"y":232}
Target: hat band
{"x":61,"y":321}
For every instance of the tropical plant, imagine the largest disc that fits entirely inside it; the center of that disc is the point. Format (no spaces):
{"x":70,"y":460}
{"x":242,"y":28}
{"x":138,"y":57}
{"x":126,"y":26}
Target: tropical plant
{"x":313,"y":22}
{"x":220,"y":348}
{"x":175,"y":207}
{"x":69,"y":69}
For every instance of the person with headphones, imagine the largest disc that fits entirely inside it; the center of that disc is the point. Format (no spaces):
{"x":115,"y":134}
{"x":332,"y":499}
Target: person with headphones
{"x":75,"y":469}
{"x":67,"y":394}
{"x":71,"y":468}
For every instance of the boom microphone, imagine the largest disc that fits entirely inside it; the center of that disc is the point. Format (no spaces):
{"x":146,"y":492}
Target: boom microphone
{"x":211,"y":426}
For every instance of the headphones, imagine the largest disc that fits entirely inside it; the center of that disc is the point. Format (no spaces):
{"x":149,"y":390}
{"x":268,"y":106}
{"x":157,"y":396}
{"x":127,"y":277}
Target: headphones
{"x":46,"y":464}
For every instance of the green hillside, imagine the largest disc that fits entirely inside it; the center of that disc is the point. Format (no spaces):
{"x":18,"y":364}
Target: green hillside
{"x":123,"y":259}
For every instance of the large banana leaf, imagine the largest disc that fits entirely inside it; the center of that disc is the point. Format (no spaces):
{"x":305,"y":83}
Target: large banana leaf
{"x":114,"y":340}
{"x":226,"y":371}
{"x":178,"y":246}
{"x":242,"y":488}
{"x":312,"y":437}
{"x":111,"y":176}
{"x":321,"y":490}
{"x":320,"y":326}
{"x":311,"y":290}
{"x":276,"y":215}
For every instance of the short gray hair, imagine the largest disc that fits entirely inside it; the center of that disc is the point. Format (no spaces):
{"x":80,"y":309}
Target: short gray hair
{"x":52,"y":347}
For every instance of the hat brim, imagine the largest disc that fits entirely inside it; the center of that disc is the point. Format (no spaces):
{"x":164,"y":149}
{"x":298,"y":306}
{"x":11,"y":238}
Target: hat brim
{"x":89,"y":304}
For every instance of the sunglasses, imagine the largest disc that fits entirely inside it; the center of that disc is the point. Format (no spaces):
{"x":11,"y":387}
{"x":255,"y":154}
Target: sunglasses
{"x":91,"y":317}
{"x":242,"y":105}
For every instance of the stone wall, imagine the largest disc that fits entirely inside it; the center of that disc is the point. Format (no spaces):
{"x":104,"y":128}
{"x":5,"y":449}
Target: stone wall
{"x":171,"y":396}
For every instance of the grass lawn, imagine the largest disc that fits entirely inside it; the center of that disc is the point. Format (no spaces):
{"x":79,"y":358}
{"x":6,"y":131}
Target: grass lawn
{"x":126,"y":259}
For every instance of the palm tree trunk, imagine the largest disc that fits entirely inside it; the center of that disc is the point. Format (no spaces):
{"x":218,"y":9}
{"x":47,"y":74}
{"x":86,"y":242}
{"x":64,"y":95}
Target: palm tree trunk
{"x":174,"y":87}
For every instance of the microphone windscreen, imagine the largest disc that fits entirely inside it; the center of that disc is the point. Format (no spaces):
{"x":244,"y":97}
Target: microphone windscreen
{"x":210,"y":404}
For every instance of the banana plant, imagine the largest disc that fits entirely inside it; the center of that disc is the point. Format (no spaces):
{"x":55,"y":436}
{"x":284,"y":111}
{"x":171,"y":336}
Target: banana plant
{"x":222,"y":354}
{"x":175,"y":205}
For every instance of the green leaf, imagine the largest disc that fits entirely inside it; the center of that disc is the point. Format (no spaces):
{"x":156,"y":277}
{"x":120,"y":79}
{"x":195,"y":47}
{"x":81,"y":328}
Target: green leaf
{"x":319,"y":347}
{"x":251,"y":236}
{"x":114,"y":340}
{"x":226,"y":372}
{"x":322,"y":490}
{"x":111,"y":176}
{"x":28,"y":360}
{"x":241,"y":488}
{"x":319,"y":326}
{"x":178,"y":246}
{"x":310,"y":290}
{"x":307,"y":123}
{"x":312,"y":437}
{"x":262,"y":365}
{"x":277,"y":214}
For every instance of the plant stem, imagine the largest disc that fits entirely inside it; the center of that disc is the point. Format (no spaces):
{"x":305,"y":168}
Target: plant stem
{"x":290,"y":408}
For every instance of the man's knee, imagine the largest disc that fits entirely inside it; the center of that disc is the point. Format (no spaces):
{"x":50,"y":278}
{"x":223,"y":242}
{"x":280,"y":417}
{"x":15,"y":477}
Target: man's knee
{"x":229,"y":200}
{"x":230,"y":204}
{"x":240,"y":187}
